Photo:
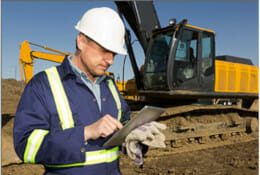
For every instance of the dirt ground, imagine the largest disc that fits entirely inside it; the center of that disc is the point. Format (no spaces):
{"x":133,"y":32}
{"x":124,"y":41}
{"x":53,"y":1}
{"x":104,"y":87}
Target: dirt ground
{"x":238,"y":158}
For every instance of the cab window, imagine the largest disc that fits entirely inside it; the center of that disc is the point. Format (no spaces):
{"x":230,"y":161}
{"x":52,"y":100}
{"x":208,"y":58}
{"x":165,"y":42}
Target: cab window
{"x":185,"y":61}
{"x":156,"y":63}
{"x":207,"y":54}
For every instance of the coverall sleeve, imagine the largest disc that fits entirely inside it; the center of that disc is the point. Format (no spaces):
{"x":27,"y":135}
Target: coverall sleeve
{"x":34,"y":141}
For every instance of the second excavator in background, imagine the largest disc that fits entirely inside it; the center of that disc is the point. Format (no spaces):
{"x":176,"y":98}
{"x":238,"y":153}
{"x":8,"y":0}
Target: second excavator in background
{"x":27,"y":56}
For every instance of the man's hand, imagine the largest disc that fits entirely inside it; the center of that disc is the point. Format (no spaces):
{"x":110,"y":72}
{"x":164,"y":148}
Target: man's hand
{"x":102,"y":128}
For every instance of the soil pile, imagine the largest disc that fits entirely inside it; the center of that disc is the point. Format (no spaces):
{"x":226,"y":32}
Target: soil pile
{"x":11,"y":94}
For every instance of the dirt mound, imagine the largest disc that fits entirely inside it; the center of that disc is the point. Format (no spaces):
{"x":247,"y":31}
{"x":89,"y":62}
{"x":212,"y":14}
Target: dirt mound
{"x":11,"y":88}
{"x":11,"y":94}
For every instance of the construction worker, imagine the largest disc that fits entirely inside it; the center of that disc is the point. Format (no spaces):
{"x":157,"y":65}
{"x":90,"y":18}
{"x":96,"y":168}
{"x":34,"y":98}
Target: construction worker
{"x":67,"y":112}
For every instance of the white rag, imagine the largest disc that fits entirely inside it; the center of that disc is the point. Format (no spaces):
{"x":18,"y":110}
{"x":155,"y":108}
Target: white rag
{"x":148,"y":134}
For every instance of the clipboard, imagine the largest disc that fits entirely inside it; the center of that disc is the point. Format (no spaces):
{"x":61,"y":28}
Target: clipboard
{"x":146,"y":114}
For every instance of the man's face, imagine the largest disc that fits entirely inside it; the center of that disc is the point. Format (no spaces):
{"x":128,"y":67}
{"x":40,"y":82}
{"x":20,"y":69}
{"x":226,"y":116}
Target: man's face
{"x":94,"y":59}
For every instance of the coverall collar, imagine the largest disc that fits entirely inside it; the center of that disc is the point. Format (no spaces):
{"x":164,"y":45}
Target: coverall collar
{"x":67,"y":72}
{"x":77,"y":71}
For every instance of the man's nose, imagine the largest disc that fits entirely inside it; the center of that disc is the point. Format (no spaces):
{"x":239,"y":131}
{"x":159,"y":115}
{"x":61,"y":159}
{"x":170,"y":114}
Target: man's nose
{"x":109,"y":57}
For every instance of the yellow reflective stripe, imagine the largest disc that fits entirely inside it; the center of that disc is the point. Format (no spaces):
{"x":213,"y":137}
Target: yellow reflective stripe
{"x":60,"y":98}
{"x":116,"y":97}
{"x":95,"y":157}
{"x":64,"y":104}
{"x":33,"y":144}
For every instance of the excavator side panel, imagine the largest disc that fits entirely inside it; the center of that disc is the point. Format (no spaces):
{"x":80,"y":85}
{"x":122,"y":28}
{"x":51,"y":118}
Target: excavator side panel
{"x":235,"y":77}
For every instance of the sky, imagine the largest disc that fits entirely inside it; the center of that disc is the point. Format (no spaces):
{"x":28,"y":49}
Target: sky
{"x":51,"y":24}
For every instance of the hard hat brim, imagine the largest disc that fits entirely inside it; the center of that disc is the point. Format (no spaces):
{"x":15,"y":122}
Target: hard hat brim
{"x":121,"y":51}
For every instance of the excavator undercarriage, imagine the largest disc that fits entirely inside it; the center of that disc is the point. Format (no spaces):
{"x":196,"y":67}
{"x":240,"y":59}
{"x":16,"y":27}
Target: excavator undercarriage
{"x":196,"y":126}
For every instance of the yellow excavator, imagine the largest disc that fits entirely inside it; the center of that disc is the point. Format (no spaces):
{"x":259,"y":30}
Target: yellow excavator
{"x":180,"y":61}
{"x":210,"y":100}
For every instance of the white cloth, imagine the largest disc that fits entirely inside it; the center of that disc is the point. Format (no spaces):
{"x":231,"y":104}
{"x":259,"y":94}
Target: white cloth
{"x":148,"y":134}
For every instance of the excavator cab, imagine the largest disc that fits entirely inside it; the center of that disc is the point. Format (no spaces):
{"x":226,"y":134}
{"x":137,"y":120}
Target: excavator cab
{"x":180,"y":61}
{"x":180,"y":57}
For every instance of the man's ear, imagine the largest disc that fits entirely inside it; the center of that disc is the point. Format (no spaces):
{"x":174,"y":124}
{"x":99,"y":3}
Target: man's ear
{"x":80,"y":41}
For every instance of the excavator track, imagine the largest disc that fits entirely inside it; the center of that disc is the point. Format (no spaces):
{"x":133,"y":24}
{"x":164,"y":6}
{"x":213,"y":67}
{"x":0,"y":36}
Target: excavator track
{"x":197,"y":127}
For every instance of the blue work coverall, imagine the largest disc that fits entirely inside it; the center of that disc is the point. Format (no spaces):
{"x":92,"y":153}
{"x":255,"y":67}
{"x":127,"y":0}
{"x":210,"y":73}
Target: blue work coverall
{"x":63,"y":151}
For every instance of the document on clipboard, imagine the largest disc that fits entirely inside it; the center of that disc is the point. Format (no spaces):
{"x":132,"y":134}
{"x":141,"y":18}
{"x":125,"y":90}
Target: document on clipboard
{"x":146,"y":114}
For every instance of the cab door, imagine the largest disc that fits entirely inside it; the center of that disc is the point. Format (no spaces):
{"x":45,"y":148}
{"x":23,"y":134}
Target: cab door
{"x":206,"y":64}
{"x":185,"y":74}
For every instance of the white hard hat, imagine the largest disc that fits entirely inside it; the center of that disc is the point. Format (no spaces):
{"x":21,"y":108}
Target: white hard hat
{"x":104,"y":26}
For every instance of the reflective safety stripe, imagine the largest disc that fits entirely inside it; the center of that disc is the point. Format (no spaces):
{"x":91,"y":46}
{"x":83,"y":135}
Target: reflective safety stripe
{"x":60,"y":98}
{"x":95,"y":157}
{"x":33,"y":144}
{"x":113,"y":90}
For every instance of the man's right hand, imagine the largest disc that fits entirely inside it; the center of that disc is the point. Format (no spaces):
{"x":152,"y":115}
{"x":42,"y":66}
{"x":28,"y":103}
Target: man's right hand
{"x":102,"y":128}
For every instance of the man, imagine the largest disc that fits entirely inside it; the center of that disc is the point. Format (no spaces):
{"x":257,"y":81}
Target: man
{"x":67,"y":112}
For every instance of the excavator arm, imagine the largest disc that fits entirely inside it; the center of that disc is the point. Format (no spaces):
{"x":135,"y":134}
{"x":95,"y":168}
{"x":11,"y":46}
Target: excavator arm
{"x":27,"y":58}
{"x":142,"y":18}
